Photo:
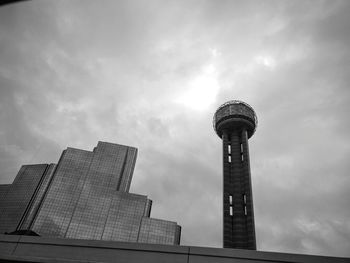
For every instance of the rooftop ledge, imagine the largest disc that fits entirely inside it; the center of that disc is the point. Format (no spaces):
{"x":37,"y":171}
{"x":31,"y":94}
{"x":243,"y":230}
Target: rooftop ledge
{"x":40,"y":249}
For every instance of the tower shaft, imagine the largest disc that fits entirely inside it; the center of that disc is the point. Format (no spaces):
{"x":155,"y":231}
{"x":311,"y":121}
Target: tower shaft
{"x":238,"y":214}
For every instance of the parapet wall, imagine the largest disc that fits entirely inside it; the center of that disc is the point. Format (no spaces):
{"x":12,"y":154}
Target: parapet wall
{"x":39,"y":249}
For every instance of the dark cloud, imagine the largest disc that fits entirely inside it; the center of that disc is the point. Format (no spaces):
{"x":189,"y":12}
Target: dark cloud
{"x":150,"y":74}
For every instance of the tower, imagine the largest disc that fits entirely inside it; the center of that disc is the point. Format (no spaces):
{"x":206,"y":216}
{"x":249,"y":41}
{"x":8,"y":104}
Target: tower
{"x":235,"y":122}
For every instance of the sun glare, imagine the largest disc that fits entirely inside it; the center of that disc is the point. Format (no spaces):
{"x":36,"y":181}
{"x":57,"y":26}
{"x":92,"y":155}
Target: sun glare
{"x":201,"y":90}
{"x":267,"y":61}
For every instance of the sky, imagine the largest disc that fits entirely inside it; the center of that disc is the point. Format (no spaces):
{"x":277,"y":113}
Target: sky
{"x":150,"y":74}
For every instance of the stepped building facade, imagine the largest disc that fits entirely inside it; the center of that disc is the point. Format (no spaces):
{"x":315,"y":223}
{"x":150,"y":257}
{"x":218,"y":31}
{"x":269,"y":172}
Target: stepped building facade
{"x":84,"y":196}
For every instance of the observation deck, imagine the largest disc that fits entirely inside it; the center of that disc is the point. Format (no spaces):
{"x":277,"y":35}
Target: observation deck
{"x":235,"y":114}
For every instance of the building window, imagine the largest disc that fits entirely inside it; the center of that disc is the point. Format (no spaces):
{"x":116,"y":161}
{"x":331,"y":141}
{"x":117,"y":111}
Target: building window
{"x":229,"y":149}
{"x":231,"y":211}
{"x":229,"y":158}
{"x":230,"y":199}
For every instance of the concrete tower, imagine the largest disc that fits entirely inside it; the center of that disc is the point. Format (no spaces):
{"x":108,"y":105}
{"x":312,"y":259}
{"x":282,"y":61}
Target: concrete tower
{"x":235,"y":122}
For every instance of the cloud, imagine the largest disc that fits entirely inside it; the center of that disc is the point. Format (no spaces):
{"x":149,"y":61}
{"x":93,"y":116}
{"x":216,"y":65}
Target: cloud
{"x":129,"y":72}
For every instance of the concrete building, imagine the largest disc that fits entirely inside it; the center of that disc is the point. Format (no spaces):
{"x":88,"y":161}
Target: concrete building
{"x":85,"y":196}
{"x":48,"y":250}
{"x":235,"y":122}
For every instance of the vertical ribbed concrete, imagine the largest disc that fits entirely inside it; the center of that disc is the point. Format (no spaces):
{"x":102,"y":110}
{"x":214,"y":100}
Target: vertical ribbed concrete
{"x":249,"y":218}
{"x":227,"y":219}
{"x":238,"y":221}
{"x":237,"y":179}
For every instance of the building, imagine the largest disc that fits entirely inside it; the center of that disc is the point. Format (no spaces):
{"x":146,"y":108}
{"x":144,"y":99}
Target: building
{"x":48,"y":250}
{"x":85,"y":196}
{"x":235,"y":122}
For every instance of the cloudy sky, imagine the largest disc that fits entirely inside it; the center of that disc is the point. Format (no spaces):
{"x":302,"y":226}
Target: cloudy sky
{"x":150,"y":74}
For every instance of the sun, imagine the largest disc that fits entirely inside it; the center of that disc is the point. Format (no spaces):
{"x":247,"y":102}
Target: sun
{"x":201,"y":90}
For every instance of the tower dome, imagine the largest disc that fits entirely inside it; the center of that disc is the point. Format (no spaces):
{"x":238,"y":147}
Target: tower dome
{"x":233,"y":115}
